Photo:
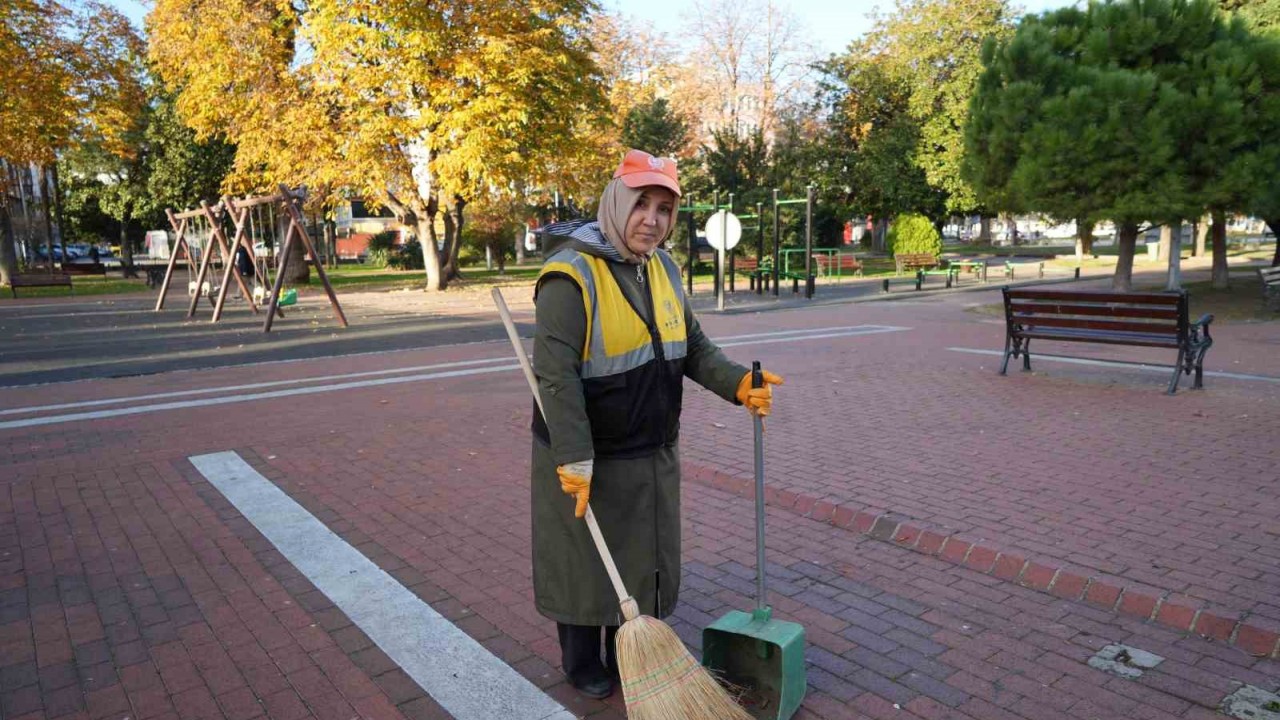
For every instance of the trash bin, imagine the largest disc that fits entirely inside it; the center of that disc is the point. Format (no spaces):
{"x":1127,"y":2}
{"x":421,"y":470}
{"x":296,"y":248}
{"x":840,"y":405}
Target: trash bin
{"x":1153,"y":251}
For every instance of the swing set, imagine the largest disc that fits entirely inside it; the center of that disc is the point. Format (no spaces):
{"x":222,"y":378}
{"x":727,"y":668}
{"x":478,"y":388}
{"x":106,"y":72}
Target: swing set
{"x":250,"y":217}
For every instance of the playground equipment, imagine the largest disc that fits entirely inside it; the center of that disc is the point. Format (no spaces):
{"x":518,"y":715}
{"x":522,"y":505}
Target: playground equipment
{"x":246,"y":216}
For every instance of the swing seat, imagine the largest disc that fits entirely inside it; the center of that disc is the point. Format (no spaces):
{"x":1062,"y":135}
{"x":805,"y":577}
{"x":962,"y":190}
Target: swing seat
{"x":288,"y":297}
{"x":259,"y":294}
{"x":205,"y":288}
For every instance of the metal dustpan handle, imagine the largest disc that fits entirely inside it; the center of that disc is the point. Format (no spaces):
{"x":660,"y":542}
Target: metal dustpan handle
{"x":762,"y":609}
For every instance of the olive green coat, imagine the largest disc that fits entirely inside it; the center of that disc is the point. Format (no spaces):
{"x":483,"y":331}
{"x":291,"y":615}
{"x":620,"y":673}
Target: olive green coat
{"x":636,"y":500}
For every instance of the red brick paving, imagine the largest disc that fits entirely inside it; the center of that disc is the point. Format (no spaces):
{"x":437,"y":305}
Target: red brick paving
{"x":130,"y":587}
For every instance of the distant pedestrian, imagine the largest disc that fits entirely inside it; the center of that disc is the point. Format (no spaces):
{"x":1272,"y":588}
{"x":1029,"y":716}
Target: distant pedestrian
{"x":94,"y":255}
{"x":244,"y":266}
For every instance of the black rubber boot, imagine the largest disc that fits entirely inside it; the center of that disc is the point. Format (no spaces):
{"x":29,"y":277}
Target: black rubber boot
{"x":580,"y":658}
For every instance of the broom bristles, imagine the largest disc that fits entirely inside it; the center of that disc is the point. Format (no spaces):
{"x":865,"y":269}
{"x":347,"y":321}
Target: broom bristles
{"x":662,"y":681}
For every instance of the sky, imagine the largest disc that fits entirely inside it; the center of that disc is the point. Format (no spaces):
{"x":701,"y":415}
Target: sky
{"x":833,"y":24}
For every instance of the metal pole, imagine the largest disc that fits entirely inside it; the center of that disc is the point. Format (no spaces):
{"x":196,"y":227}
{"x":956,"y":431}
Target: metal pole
{"x":808,"y":243}
{"x":715,"y":275}
{"x":777,"y":234}
{"x":691,"y":231}
{"x":757,"y":380}
{"x":731,"y":253}
{"x":759,"y":247}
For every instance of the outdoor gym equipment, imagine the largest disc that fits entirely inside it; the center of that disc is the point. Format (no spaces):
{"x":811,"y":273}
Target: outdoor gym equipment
{"x":808,"y":200}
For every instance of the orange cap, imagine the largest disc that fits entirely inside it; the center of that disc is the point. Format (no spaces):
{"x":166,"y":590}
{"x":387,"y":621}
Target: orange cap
{"x":640,"y":169}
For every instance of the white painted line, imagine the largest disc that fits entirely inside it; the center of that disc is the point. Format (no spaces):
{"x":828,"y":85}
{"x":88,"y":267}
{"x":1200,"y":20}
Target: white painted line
{"x":250,"y":386}
{"x":1110,"y":363}
{"x":809,"y":331}
{"x":759,"y":339}
{"x":99,"y":414}
{"x":456,"y":671}
{"x":771,"y":339}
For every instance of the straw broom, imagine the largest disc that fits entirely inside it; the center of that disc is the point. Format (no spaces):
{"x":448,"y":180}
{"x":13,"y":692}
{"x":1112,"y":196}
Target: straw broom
{"x":660,"y":679}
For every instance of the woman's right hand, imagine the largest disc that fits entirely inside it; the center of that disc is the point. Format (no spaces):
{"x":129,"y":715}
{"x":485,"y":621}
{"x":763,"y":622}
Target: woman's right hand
{"x":575,"y":480}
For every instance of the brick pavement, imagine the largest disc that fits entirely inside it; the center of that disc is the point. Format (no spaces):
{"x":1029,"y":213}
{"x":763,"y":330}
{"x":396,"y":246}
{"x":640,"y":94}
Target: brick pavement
{"x":129,"y":587}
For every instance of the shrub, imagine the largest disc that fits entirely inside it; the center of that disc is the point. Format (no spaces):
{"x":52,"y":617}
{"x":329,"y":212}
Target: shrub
{"x":382,"y":247}
{"x":913,"y":234}
{"x":406,"y":257}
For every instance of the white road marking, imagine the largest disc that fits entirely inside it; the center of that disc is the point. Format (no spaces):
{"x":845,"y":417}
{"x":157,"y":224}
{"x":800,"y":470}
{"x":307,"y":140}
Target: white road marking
{"x":1110,"y":363}
{"x":99,"y":414}
{"x":250,"y":386}
{"x":467,"y":680}
{"x":730,"y":341}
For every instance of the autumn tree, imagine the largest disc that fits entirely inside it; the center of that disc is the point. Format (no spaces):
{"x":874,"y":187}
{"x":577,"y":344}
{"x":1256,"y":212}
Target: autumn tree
{"x":65,"y":79}
{"x":749,"y":63}
{"x":416,"y":107}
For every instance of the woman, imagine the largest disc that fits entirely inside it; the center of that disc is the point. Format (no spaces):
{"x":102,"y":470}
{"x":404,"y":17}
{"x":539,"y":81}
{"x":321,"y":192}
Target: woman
{"x":615,"y":338}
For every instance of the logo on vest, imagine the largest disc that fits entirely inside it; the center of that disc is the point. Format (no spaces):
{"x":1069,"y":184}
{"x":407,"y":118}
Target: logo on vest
{"x":673,"y":319}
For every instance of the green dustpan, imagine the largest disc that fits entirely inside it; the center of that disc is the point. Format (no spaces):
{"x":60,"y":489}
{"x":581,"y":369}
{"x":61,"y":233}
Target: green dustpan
{"x":752,"y":651}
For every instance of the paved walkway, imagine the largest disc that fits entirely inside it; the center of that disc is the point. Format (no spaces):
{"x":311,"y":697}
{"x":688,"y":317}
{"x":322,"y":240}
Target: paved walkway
{"x":907,"y":479}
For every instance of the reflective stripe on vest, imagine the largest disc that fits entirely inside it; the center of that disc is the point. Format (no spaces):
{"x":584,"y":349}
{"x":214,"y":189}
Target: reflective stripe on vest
{"x":617,"y":338}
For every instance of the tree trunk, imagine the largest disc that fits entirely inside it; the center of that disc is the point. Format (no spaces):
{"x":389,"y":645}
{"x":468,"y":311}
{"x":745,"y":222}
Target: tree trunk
{"x":984,"y":230}
{"x":1166,"y":240}
{"x":1084,"y":239}
{"x":126,"y":249}
{"x":48,"y":220}
{"x":1220,"y":280}
{"x":59,"y":215}
{"x":520,"y":244}
{"x":1274,"y":224}
{"x":1174,"y":250}
{"x":430,"y":255}
{"x":8,"y":252}
{"x":299,"y":271}
{"x":330,"y":245}
{"x":1202,"y":233}
{"x":1126,"y":241}
{"x":453,"y":222}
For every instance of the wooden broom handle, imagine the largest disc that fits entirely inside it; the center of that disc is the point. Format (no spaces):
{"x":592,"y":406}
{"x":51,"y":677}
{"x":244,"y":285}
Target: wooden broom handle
{"x":629,"y":608}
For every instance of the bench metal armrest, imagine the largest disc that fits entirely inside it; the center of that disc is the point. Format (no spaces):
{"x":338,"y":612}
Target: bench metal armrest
{"x":1199,"y":331}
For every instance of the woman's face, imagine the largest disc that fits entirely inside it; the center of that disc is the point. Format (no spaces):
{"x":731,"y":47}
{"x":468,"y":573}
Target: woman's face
{"x":650,"y":219}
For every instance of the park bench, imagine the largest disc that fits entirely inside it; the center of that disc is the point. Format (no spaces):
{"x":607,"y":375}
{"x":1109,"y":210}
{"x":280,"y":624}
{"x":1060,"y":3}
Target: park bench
{"x":1136,"y":319}
{"x":1270,"y":279}
{"x":839,"y":264}
{"x":89,"y":268}
{"x":915,"y":261}
{"x":38,"y":280}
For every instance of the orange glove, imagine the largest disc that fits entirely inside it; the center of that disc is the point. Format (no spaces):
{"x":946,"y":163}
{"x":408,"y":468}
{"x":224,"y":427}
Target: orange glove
{"x":575,"y":480}
{"x":758,"y":400}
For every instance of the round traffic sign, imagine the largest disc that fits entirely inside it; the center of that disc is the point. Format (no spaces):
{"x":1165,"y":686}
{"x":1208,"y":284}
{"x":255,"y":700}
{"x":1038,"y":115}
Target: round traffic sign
{"x":723,"y":230}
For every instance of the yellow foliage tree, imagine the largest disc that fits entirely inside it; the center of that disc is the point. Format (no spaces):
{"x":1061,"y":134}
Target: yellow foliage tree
{"x":417,"y":106}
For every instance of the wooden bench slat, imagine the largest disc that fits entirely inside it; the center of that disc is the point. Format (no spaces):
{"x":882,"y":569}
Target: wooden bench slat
{"x":1116,"y":338}
{"x":1159,"y":328}
{"x":1096,"y":297}
{"x":1024,"y":306}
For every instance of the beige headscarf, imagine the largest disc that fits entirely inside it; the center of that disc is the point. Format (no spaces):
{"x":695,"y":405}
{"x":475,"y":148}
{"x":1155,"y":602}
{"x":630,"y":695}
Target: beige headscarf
{"x":616,"y":203}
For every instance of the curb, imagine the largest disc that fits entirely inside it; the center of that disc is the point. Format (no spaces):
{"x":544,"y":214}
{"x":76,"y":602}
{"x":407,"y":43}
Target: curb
{"x":1166,"y":608}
